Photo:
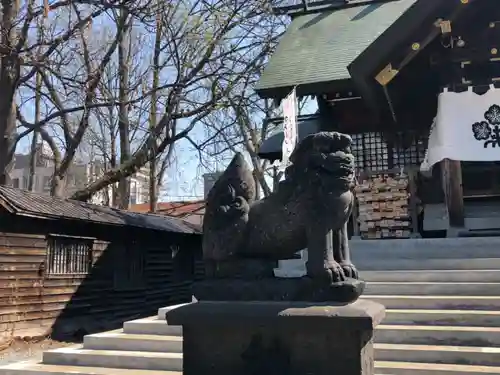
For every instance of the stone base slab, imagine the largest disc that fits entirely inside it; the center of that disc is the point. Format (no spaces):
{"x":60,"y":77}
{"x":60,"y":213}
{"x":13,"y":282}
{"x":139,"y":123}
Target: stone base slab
{"x":277,"y":289}
{"x":282,"y":338}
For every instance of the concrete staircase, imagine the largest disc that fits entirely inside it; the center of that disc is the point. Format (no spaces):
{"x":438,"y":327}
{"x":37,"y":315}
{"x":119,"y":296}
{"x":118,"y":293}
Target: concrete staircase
{"x":143,"y":347}
{"x":443,"y":304}
{"x":443,"y":317}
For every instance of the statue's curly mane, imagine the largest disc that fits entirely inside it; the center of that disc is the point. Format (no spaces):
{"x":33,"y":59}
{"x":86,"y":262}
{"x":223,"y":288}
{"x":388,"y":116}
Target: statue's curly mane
{"x":322,"y":157}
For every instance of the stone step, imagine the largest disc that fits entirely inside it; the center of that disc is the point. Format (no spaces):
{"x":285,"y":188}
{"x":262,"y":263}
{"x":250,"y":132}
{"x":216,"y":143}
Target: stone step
{"x":432,"y":276}
{"x":437,"y":335}
{"x":433,"y":288}
{"x":426,"y":248}
{"x":475,"y":318}
{"x":410,"y":368}
{"x":457,"y":302}
{"x":77,"y":356}
{"x":133,"y":342}
{"x":162,"y":311}
{"x":370,"y":263}
{"x":31,"y":368}
{"x":478,"y":356}
{"x":151,"y":326}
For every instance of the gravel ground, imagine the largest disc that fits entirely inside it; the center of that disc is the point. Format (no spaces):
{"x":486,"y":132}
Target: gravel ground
{"x":25,"y":350}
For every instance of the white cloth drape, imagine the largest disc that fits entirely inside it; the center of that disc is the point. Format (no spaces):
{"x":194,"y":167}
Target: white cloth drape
{"x":290,"y":130}
{"x":466,"y":128}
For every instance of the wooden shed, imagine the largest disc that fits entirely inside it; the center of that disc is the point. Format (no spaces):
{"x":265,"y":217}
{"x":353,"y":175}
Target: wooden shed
{"x":69,"y":266}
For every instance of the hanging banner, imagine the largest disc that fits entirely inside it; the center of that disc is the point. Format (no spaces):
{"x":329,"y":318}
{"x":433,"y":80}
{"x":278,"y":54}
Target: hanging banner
{"x":290,"y":130}
{"x":467,"y":128}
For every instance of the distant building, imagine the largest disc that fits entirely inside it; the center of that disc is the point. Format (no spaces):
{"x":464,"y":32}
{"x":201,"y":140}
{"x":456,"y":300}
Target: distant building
{"x":209,"y":180}
{"x":79,"y":176}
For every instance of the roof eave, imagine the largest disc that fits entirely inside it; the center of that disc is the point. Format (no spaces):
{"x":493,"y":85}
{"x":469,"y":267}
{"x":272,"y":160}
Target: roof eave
{"x":297,"y":10}
{"x":407,"y":29}
{"x":314,"y":88}
{"x":12,"y":209}
{"x":400,"y":31}
{"x":9,"y":207}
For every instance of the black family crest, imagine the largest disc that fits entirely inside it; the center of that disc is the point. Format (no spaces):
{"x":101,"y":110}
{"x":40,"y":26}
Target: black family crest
{"x":489,"y":130}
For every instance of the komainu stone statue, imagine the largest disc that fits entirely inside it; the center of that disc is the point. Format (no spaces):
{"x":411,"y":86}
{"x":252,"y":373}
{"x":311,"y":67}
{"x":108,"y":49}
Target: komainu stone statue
{"x":310,"y":209}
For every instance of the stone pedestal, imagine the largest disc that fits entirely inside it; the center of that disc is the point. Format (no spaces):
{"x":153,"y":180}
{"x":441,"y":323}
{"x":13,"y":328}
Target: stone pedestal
{"x":279,"y":338}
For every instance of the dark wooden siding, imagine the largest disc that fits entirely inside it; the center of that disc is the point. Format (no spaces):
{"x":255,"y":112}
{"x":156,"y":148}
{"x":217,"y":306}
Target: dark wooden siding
{"x":30,"y":298}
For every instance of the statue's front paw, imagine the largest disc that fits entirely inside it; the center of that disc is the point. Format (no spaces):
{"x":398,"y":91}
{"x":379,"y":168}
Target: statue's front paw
{"x":349,"y":270}
{"x":329,"y":274}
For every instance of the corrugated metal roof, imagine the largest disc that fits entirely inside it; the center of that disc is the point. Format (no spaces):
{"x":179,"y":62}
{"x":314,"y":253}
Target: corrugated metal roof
{"x":21,"y":202}
{"x":174,"y":209}
{"x":319,"y":47}
{"x":192,"y":212}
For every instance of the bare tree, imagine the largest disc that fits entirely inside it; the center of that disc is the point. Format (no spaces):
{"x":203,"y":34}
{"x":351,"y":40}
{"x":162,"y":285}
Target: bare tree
{"x":201,"y":52}
{"x":21,"y":59}
{"x":243,"y":125}
{"x":204,"y":55}
{"x":74,"y":131}
{"x":121,"y":79}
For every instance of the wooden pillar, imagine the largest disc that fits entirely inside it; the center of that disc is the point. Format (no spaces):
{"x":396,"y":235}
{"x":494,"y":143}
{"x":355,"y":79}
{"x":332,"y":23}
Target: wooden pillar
{"x":451,"y":173}
{"x":413,"y":201}
{"x":354,"y":217}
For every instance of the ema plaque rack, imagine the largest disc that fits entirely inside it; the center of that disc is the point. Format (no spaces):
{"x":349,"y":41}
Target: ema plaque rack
{"x":383,"y":206}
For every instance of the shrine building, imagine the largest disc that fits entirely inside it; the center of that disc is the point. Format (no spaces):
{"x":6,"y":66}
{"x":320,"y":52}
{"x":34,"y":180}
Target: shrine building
{"x":414,"y":82}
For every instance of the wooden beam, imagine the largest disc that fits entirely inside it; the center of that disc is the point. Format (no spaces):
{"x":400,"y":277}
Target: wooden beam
{"x":451,"y":173}
{"x":388,"y":73}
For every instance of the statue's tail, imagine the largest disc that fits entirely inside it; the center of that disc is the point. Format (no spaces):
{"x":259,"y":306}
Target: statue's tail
{"x":226,"y":210}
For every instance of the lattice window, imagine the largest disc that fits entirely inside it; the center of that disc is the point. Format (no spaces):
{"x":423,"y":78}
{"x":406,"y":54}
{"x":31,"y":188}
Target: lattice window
{"x":373,"y":153}
{"x":357,"y":151}
{"x":370,"y":151}
{"x":69,"y":255}
{"x":413,"y":154}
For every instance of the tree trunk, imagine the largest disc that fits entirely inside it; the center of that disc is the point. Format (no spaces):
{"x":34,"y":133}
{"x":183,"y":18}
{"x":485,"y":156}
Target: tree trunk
{"x":123,"y":122}
{"x":257,"y":184}
{"x":153,"y":183}
{"x":9,"y":76}
{"x":33,"y":160}
{"x":7,"y":142}
{"x":113,"y":163}
{"x":34,"y":142}
{"x":277,"y":174}
{"x":153,"y":192}
{"x":57,"y":186}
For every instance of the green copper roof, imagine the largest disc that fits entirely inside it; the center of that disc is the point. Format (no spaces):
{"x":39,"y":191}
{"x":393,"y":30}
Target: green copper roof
{"x":319,"y":47}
